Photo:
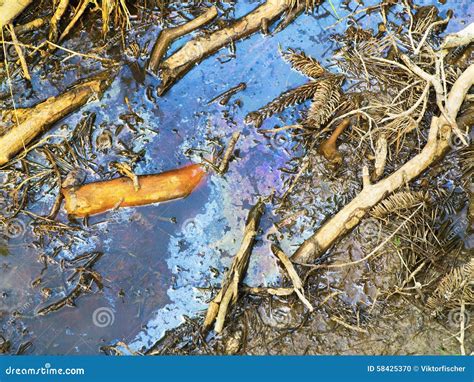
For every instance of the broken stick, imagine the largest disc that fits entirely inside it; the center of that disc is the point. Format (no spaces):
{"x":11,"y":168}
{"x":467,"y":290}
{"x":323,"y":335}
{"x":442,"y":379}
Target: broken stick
{"x":95,"y":198}
{"x":194,"y":51}
{"x":293,"y":275}
{"x":229,"y":292}
{"x":30,"y":123}
{"x":167,"y":36}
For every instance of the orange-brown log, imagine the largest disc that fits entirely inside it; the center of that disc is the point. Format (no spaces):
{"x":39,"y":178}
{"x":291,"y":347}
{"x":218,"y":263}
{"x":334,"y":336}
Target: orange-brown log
{"x":95,"y":198}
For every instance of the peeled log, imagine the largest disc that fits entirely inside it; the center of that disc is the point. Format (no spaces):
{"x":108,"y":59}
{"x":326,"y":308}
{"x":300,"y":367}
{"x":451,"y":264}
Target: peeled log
{"x":30,"y":123}
{"x":10,"y":9}
{"x":95,"y":198}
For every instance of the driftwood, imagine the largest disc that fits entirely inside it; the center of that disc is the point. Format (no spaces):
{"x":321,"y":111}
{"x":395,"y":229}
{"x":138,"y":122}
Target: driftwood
{"x":10,"y":9}
{"x":30,"y":123}
{"x":201,"y":47}
{"x":440,"y":134}
{"x":167,"y":36}
{"x":95,"y":198}
{"x":229,"y":292}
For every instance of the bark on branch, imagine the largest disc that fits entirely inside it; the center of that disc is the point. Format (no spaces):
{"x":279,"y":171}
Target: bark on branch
{"x":30,"y":123}
{"x":438,"y":144}
{"x":229,"y":292}
{"x":199,"y":48}
{"x":167,"y":36}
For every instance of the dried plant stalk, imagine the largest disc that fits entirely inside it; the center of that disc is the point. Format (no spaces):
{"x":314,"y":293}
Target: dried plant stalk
{"x":304,"y":64}
{"x":194,"y":51}
{"x":453,"y":288}
{"x":167,"y":36}
{"x":288,"y":98}
{"x":10,"y":9}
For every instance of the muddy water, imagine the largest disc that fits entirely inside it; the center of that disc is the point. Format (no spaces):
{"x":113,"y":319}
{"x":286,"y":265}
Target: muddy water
{"x":161,"y":261}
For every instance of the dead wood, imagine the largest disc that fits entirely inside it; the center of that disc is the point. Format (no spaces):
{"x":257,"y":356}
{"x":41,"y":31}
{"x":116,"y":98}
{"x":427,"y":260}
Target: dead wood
{"x":194,"y":51}
{"x":298,"y":286}
{"x":228,"y":153}
{"x":436,"y":147}
{"x":381,"y":152}
{"x":10,"y":9}
{"x":30,"y":123}
{"x":167,"y":36}
{"x":229,"y":292}
{"x":95,"y":198}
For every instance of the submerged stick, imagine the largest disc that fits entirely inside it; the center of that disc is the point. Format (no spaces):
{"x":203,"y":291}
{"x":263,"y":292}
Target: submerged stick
{"x":201,"y":47}
{"x":328,"y":148}
{"x":10,"y":9}
{"x":95,"y":198}
{"x":167,"y":36}
{"x":30,"y":123}
{"x":229,"y":292}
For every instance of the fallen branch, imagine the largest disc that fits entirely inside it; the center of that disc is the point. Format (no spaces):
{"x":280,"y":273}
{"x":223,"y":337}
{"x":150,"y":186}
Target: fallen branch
{"x":229,"y":292}
{"x":30,"y":123}
{"x":293,"y":275}
{"x":194,"y":51}
{"x":167,"y":36}
{"x":228,"y":153}
{"x":439,"y":137}
{"x":10,"y":9}
{"x":462,"y":37}
{"x":95,"y":198}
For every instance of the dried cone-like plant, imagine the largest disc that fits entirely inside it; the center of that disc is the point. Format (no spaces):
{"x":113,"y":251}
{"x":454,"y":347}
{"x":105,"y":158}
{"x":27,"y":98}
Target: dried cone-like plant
{"x":325,"y":101}
{"x":307,"y":66}
{"x":400,"y":201}
{"x":453,"y":288}
{"x":304,"y":64}
{"x":288,"y":98}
